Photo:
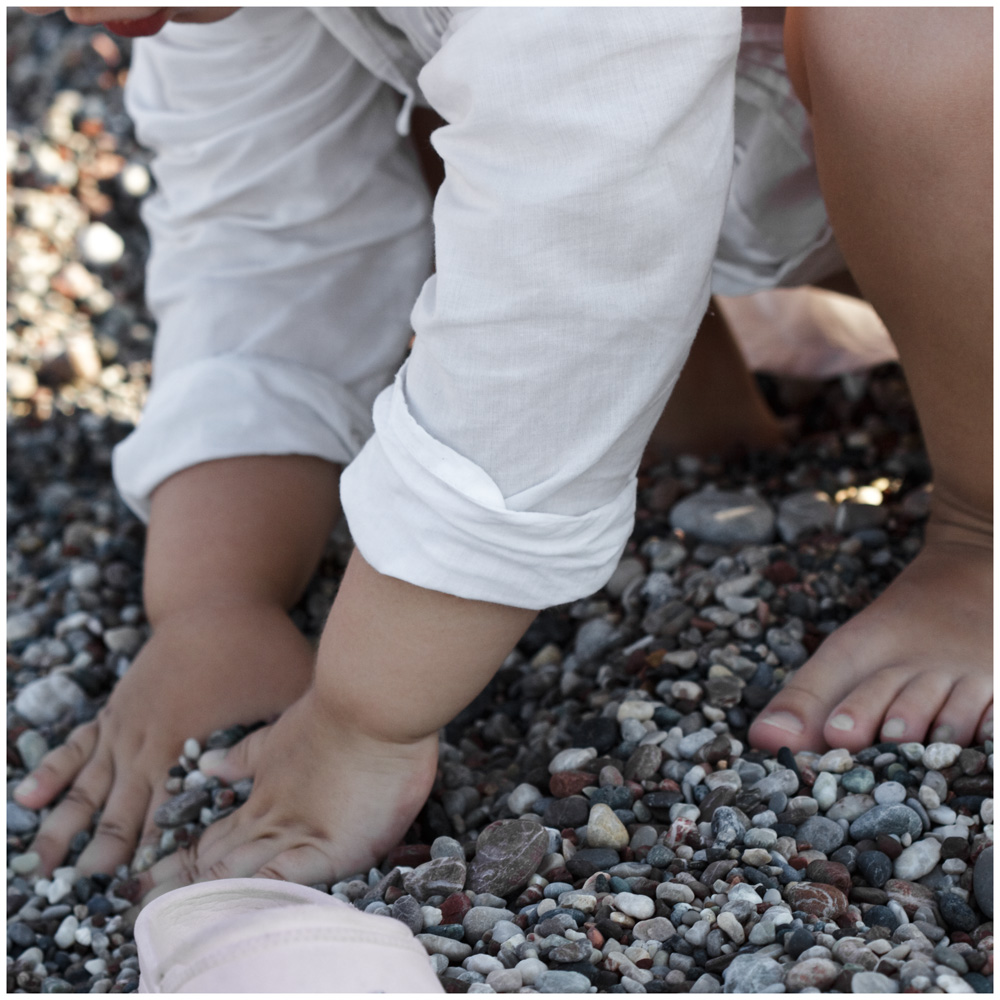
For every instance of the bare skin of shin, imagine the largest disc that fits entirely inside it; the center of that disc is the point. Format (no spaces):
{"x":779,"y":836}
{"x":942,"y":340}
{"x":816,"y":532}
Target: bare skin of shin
{"x":341,"y":775}
{"x":223,"y":649}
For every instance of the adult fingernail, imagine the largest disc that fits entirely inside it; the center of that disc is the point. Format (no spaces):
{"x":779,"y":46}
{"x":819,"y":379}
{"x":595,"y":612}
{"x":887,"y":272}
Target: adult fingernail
{"x":27,"y":787}
{"x":843,"y":722}
{"x":210,"y":759}
{"x":783,"y":720}
{"x":943,"y":734}
{"x":894,"y":728}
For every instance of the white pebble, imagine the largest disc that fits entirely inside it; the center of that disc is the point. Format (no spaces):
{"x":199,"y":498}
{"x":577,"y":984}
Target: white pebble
{"x":194,"y":779}
{"x":641,"y":710}
{"x":84,"y":936}
{"x":928,"y":798}
{"x":24,"y":864}
{"x":192,"y":749}
{"x":432,"y":916}
{"x":917,"y":860}
{"x":59,"y":889}
{"x":66,"y":934}
{"x":531,"y":970}
{"x":96,"y":966}
{"x":101,"y":245}
{"x":84,"y":576}
{"x":940,"y":755}
{"x":572,"y":759}
{"x":838,"y":761}
{"x":134,"y":180}
{"x":889,"y":793}
{"x":986,"y":811}
{"x":523,"y":798}
{"x":483,"y":964}
{"x":953,"y":866}
{"x":824,"y":790}
{"x":635,"y":905}
{"x":44,"y":700}
{"x":729,"y":924}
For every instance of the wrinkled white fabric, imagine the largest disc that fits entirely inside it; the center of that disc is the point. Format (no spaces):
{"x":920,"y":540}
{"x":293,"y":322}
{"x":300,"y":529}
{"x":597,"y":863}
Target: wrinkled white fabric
{"x":588,"y":156}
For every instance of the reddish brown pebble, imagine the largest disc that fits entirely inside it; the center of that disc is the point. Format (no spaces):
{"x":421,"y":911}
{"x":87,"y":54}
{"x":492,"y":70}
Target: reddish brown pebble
{"x":781,"y":572}
{"x":595,"y":937}
{"x":410,"y":855}
{"x":565,"y":783}
{"x":454,"y":908}
{"x":831,"y":872}
{"x":826,"y":902}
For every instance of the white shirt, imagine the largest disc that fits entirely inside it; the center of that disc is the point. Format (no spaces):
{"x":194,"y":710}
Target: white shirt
{"x":588,"y":155}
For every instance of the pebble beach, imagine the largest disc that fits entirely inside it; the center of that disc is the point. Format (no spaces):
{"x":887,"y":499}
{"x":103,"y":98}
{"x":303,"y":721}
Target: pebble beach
{"x":599,"y":822}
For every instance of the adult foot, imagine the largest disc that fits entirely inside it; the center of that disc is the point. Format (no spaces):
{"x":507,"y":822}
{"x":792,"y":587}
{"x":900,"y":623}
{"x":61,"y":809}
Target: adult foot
{"x":915,"y":665}
{"x":203,"y":669}
{"x":327,"y":801}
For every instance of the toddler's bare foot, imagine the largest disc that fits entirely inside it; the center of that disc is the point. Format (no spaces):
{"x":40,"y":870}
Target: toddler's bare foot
{"x":204,"y":669}
{"x":915,"y":665}
{"x":328,"y":801}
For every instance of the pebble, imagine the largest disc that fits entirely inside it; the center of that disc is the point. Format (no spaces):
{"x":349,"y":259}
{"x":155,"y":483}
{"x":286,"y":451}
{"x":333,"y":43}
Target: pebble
{"x":43,"y":701}
{"x":894,"y":818}
{"x":437,"y":877}
{"x":873,"y":982}
{"x":982,"y":881}
{"x":860,"y":780}
{"x":605,"y":829}
{"x":890,"y":793}
{"x":875,"y":867}
{"x":560,"y":981}
{"x":634,"y":905}
{"x":824,"y":790}
{"x":751,"y":974}
{"x":824,"y":834}
{"x":32,"y":746}
{"x":19,"y":819}
{"x":835,"y":761}
{"x":508,"y":853}
{"x":817,"y":973}
{"x":523,"y":798}
{"x":572,"y":759}
{"x":917,"y":860}
{"x":938,"y":756}
{"x":725,"y":517}
{"x":101,"y":245}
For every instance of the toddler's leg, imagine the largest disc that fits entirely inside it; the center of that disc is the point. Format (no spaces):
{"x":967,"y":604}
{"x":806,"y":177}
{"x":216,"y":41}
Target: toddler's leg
{"x":901,"y":105}
{"x":715,"y":405}
{"x":231,"y":545}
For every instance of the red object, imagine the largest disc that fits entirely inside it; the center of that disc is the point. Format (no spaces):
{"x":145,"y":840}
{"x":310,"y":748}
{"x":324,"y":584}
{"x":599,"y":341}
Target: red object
{"x":455,"y":907}
{"x":141,"y":28}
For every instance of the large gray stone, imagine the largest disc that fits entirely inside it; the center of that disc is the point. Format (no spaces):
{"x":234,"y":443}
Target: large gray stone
{"x":725,"y":517}
{"x":751,"y":974}
{"x":508,"y":853}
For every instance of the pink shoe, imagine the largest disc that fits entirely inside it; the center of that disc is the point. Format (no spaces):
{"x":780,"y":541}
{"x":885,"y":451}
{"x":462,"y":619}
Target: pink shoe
{"x":253,"y":935}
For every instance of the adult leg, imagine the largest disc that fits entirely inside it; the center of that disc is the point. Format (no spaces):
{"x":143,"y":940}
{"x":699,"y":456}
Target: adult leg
{"x":901,"y":106}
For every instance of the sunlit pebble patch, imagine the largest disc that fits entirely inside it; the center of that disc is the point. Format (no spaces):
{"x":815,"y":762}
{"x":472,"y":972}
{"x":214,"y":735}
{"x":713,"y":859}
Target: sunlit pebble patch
{"x":664,"y":854}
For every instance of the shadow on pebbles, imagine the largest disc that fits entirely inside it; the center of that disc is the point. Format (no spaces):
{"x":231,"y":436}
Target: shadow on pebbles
{"x":599,"y":822}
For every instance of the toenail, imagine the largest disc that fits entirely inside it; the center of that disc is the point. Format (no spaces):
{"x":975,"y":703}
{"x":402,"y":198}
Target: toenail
{"x":26,"y":787}
{"x":783,"y":720}
{"x":943,"y":734}
{"x":842,"y":722}
{"x":894,"y":728}
{"x":988,"y":728}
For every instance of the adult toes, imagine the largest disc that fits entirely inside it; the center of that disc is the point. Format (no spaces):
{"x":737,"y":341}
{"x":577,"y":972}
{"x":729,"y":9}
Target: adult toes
{"x":985,"y":730}
{"x":959,"y":717}
{"x":881,"y":704}
{"x":794,"y":717}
